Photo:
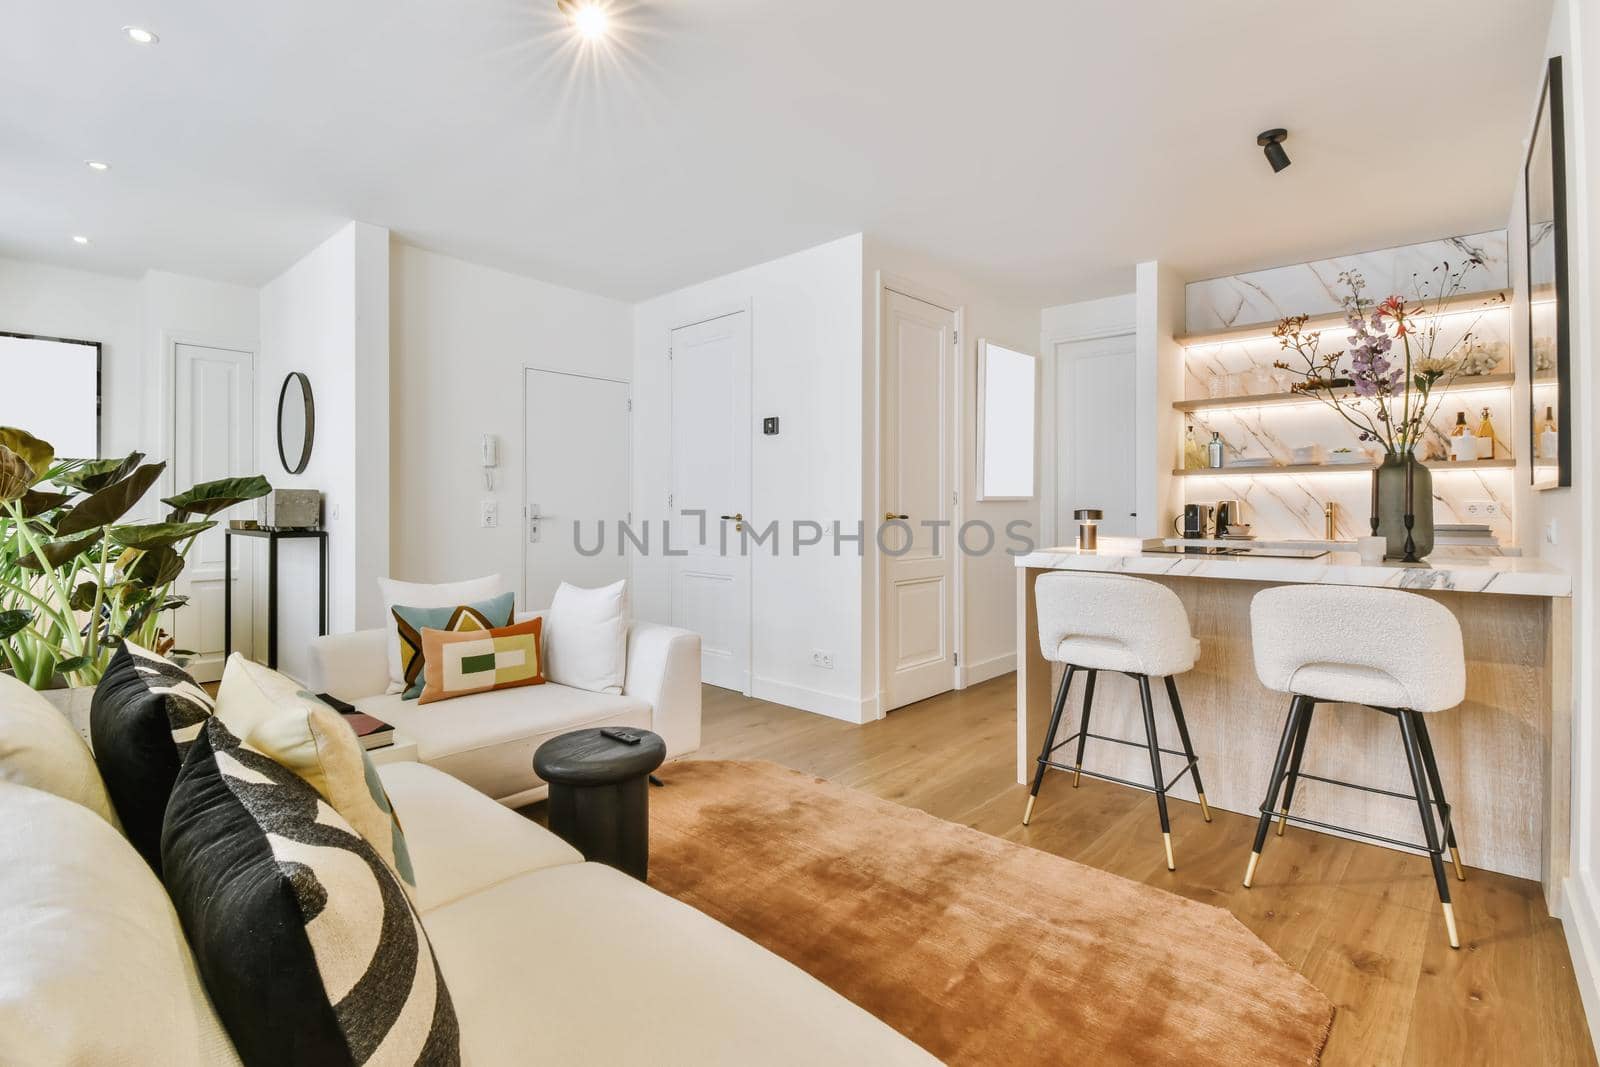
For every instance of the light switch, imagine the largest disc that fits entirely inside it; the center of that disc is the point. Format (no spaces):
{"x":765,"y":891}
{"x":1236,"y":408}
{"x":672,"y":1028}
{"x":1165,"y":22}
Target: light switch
{"x":489,"y":514}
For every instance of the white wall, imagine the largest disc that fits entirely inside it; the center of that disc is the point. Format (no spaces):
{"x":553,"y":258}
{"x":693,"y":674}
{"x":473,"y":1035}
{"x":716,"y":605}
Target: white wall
{"x":461,"y":335}
{"x":988,"y":643}
{"x":58,"y":302}
{"x":1159,"y":307}
{"x":328,"y":316}
{"x":805,"y":369}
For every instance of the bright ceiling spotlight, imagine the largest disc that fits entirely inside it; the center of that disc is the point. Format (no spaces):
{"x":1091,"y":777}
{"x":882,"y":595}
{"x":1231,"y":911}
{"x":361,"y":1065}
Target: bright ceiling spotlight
{"x":588,"y":17}
{"x":97,"y":164}
{"x":140,"y":35}
{"x":79,"y":239}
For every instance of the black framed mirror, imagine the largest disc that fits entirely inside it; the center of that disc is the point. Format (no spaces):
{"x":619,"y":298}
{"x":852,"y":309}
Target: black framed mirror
{"x":1549,"y":341}
{"x":297,"y":422}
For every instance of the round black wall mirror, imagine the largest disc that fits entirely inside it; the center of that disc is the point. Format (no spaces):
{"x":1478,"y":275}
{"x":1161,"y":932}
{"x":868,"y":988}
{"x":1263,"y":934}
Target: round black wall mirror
{"x":297,"y":422}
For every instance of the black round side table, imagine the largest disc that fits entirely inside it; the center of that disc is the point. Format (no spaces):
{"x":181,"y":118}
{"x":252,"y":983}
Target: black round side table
{"x":600,"y":795}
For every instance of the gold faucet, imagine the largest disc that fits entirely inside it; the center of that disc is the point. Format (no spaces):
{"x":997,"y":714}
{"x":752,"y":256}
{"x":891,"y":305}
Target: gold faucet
{"x":1329,"y":521}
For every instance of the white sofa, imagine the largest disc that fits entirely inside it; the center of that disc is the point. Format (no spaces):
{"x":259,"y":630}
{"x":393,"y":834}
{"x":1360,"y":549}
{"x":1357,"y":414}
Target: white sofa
{"x":487,"y":740}
{"x":548,"y":959}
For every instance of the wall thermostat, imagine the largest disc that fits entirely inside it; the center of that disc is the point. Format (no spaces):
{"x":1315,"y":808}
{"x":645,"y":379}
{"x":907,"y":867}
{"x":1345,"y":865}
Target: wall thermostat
{"x":769,"y":426}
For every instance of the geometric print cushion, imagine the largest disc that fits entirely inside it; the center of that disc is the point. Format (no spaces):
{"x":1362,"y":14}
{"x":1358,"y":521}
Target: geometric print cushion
{"x":462,"y":663}
{"x":308,"y":947}
{"x":144,"y":715}
{"x":276,"y":717}
{"x":485,"y":614}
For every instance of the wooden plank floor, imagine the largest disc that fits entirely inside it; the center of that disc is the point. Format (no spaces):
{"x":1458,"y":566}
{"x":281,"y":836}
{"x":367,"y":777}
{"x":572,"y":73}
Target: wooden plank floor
{"x":1361,"y":922}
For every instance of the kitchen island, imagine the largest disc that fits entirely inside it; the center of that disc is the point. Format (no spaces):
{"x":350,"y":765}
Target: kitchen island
{"x":1504,"y":753}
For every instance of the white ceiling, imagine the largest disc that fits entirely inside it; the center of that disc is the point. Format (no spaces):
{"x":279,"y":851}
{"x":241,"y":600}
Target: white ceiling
{"x":1042,"y":145}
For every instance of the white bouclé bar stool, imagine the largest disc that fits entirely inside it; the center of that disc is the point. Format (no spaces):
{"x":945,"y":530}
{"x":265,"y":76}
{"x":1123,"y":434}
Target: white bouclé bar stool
{"x":1109,"y":622}
{"x":1395,"y":652}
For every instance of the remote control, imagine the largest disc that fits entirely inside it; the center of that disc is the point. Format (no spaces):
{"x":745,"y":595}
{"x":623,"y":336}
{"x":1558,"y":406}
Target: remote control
{"x":617,"y":733}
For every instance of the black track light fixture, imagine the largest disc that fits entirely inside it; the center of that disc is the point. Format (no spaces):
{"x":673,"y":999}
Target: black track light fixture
{"x":1272,"y":143}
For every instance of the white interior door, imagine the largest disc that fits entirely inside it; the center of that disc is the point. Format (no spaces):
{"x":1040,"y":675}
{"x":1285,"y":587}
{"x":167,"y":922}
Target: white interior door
{"x":577,"y":433}
{"x":711,"y":430}
{"x":919,"y":347}
{"x":1095,"y":434}
{"x":213,"y":437}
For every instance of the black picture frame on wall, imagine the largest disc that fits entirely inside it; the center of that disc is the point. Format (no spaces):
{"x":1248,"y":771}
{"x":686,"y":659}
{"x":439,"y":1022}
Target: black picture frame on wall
{"x":1548,"y":307}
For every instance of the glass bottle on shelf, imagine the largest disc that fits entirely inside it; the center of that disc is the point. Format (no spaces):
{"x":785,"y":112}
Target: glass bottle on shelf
{"x":1214,"y":451}
{"x":1194,"y":456}
{"x":1549,"y":438}
{"x":1461,"y":424}
{"x":1486,"y":442}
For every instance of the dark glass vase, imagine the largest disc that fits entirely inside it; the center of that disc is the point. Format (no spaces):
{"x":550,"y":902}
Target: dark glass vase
{"x":1390,"y":505}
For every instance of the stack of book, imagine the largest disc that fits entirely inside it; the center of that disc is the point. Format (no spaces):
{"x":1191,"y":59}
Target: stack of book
{"x":373,"y":732}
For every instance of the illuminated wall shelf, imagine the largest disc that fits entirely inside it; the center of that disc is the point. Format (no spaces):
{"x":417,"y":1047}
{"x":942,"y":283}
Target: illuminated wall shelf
{"x":1337,"y":468}
{"x":1492,"y":300}
{"x":1262,"y":400}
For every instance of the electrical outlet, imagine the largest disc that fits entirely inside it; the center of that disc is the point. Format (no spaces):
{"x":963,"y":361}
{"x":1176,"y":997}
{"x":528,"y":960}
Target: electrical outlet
{"x":822,"y":659}
{"x":489,"y":514}
{"x":1483,"y":510}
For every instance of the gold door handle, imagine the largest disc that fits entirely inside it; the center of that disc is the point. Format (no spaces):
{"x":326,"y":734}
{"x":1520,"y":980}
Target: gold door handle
{"x":737,"y":518}
{"x":889,"y":516}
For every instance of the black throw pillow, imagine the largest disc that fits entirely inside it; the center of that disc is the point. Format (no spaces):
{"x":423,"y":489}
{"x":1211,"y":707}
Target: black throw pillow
{"x":145,"y":713}
{"x":252,"y":856}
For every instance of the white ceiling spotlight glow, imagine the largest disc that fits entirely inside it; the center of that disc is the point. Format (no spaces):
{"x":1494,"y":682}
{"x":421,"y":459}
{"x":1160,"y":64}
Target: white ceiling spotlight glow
{"x":98,"y":165}
{"x":588,"y":17}
{"x":79,"y":239}
{"x":140,"y":35}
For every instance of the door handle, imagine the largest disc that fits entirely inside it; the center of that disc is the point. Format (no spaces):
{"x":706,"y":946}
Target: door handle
{"x":889,"y":516}
{"x":737,"y":518}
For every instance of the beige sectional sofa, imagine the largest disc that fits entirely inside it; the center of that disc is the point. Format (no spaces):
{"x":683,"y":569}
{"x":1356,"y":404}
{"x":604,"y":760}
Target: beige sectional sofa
{"x":548,"y":959}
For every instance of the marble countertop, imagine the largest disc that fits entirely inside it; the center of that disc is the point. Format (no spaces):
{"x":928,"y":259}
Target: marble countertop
{"x":1505,"y":575}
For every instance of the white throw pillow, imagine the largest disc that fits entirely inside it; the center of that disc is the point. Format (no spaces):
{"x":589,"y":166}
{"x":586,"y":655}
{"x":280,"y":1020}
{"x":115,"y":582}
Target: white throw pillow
{"x":422,"y":595}
{"x":95,"y":967}
{"x":586,"y":637}
{"x":39,"y":748}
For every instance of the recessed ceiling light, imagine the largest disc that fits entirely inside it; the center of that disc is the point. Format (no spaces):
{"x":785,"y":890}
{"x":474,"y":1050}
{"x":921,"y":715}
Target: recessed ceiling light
{"x":588,"y":17}
{"x":140,"y":35}
{"x":97,"y":164}
{"x":79,"y":239}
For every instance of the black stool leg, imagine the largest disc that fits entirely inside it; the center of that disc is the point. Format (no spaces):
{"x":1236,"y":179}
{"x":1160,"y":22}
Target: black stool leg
{"x":1430,"y":834}
{"x":1049,"y":739}
{"x":1155,"y":766}
{"x":1083,"y":727}
{"x":1294,"y":765}
{"x":1291,"y":729}
{"x":1432,"y":767}
{"x":1188,"y":747}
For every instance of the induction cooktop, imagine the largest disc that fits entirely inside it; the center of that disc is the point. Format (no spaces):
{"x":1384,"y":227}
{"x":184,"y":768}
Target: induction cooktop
{"x":1229,"y":551}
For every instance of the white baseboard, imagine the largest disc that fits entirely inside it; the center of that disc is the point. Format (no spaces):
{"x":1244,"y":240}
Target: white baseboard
{"x":849,"y":709}
{"x":1580,"y":921}
{"x":992,"y":667}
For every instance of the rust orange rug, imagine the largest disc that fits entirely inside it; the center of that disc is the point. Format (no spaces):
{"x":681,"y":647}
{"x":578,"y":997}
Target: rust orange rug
{"x":980,"y":950}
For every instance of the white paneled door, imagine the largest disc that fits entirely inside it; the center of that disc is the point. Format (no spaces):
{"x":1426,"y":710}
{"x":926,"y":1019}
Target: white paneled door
{"x":710,"y":507}
{"x":919,"y":480}
{"x":1095,"y":433}
{"x":577,"y":440}
{"x":213,"y":437}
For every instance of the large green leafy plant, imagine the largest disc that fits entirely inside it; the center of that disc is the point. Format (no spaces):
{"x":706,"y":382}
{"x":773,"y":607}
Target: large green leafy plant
{"x":74,"y":579}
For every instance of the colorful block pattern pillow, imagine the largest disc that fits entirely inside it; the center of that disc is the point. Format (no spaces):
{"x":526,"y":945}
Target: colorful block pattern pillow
{"x":307,"y":944}
{"x":426,"y":595}
{"x":145,"y":713}
{"x":409,"y":622}
{"x":276,"y":717}
{"x":463,"y":663}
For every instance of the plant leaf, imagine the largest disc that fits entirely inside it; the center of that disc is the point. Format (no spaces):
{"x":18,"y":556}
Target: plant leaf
{"x":13,"y":622}
{"x":208,"y":498}
{"x":156,"y":566}
{"x":76,"y":663}
{"x":36,"y":502}
{"x":108,"y":505}
{"x":156,"y":534}
{"x":82,"y":598}
{"x":59,"y":551}
{"x":15,"y":475}
{"x":93,"y":475}
{"x":37,"y":454}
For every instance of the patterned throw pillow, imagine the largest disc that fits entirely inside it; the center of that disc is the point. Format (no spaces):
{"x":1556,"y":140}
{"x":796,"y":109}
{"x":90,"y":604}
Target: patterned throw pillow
{"x":463,"y":663}
{"x":145,"y":714}
{"x":309,"y":947}
{"x":410,"y":622}
{"x":275,"y":716}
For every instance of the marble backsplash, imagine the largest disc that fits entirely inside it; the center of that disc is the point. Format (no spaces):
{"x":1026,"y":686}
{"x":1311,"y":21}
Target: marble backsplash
{"x":1314,"y":289}
{"x":1283,"y":505}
